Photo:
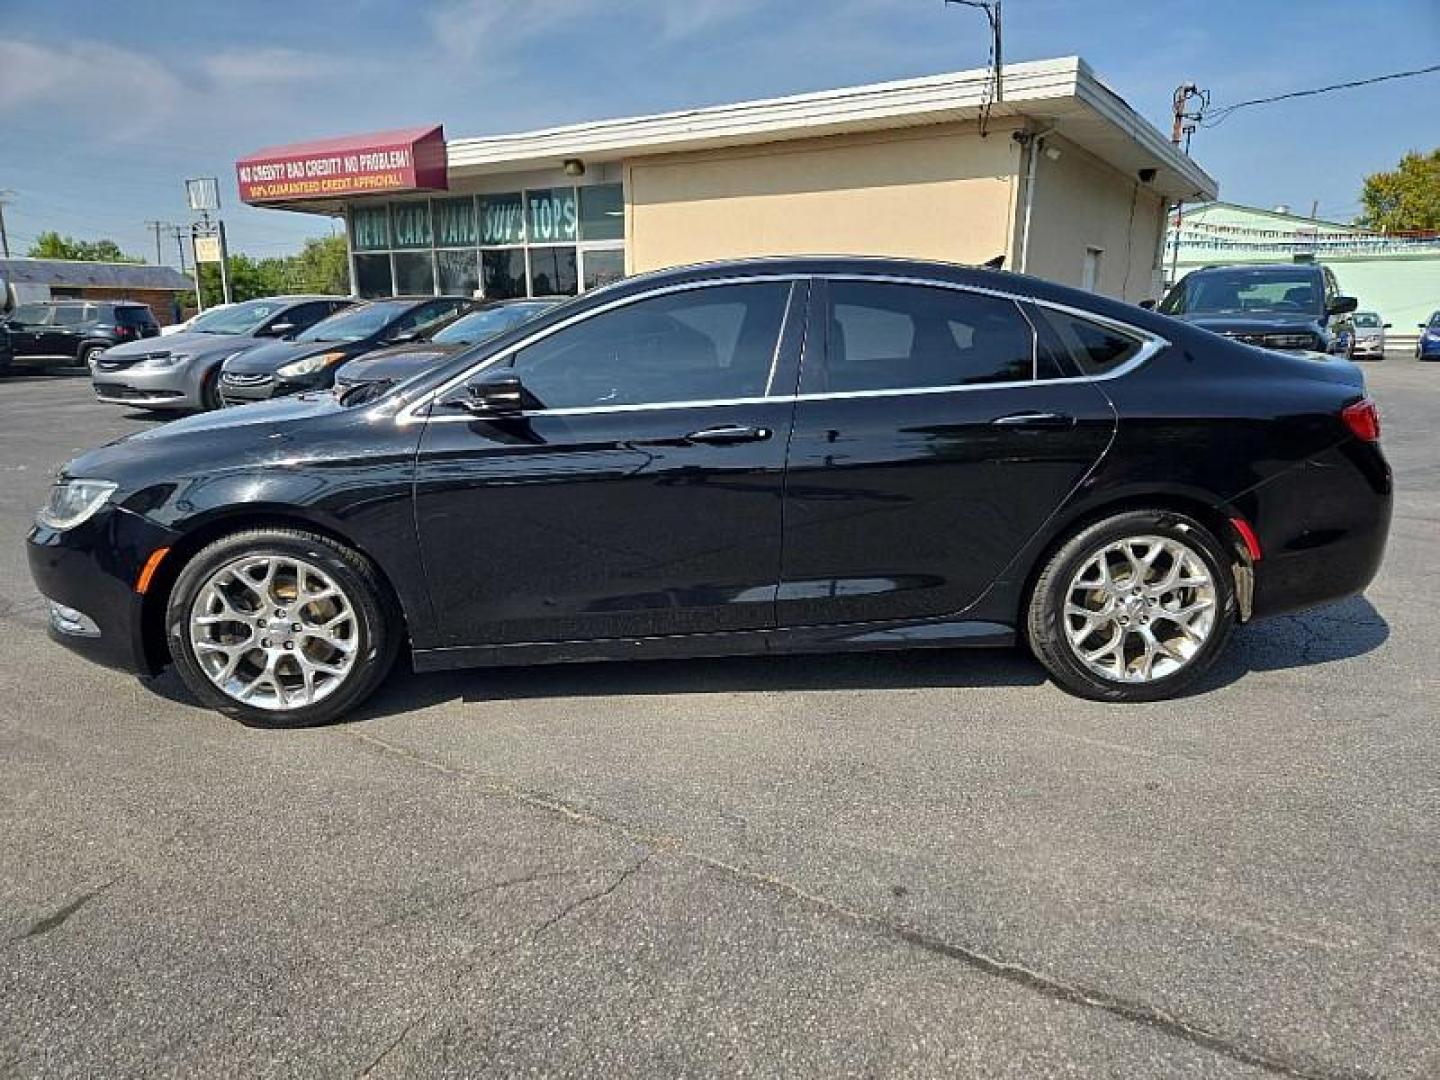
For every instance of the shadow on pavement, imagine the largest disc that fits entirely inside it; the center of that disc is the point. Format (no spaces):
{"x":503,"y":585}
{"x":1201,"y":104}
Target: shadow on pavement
{"x":1338,"y":632}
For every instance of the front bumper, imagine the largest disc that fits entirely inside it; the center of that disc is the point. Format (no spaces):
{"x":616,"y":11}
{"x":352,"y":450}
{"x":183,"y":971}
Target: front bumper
{"x":91,"y":570}
{"x":158,"y":388}
{"x":1369,"y":347}
{"x":243,"y":388}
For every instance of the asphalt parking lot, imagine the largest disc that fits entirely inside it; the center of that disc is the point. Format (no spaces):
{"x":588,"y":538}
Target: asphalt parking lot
{"x":901,"y":864}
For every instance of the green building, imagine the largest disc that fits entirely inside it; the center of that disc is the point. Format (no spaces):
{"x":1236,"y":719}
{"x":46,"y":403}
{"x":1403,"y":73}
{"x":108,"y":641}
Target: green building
{"x":1396,"y":275}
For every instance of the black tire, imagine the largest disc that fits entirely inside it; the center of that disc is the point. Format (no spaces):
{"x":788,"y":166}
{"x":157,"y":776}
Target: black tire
{"x":210,"y":390}
{"x":1045,"y":627}
{"x":379,"y":629}
{"x":88,"y":353}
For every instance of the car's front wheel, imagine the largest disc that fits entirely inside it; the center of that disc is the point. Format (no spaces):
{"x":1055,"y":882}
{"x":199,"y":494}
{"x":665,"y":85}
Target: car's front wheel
{"x":281,"y":627}
{"x":1133,"y":608}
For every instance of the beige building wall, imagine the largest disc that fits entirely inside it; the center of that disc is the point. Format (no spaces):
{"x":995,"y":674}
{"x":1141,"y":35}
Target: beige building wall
{"x":1082,"y":203}
{"x":933,"y":192}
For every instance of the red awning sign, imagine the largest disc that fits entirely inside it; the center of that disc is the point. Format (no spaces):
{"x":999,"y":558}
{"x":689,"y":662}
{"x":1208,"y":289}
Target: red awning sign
{"x":411,"y":159}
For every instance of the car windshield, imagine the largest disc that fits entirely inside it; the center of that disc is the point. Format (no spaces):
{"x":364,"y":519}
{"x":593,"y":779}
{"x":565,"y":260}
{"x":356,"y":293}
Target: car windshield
{"x":357,"y":322}
{"x":1242,"y":290}
{"x":479,"y":325}
{"x":1367,"y":320}
{"x":241,"y":318}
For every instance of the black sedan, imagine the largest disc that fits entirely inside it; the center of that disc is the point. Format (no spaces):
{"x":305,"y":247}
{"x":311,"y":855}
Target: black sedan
{"x":308,"y":360}
{"x":384,"y":368}
{"x":751,"y":457}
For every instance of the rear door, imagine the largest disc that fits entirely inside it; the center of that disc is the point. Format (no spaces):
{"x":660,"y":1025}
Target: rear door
{"x":936,"y":430}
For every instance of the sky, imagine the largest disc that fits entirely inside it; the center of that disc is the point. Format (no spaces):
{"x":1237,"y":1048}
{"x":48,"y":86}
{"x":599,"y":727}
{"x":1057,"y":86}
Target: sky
{"x":105,"y":107}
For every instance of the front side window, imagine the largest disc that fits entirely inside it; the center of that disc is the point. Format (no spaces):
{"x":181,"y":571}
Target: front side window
{"x":426,"y":316}
{"x":886,"y":336}
{"x":697,"y":345}
{"x":31,"y":315}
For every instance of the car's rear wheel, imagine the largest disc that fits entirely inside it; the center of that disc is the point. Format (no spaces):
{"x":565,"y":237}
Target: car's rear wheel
{"x":1133,"y":608}
{"x":281,"y":627}
{"x":89,"y":353}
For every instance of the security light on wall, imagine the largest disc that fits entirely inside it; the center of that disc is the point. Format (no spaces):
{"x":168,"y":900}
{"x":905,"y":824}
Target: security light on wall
{"x":1053,"y":153}
{"x":574,"y":167}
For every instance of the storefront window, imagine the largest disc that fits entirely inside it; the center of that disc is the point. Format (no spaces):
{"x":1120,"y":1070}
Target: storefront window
{"x":370,"y":227}
{"x":459,"y":272}
{"x":602,"y":266}
{"x":455,"y":222}
{"x":411,"y":224}
{"x":552,"y":271}
{"x":503,"y":273}
{"x":502,"y":221}
{"x":543,"y":242}
{"x":414,"y":273}
{"x":372,"y":276}
{"x":552,"y":215}
{"x":602,"y":212}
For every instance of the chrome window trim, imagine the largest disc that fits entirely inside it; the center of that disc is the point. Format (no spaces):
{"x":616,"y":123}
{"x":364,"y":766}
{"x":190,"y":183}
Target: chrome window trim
{"x":1151,"y":344}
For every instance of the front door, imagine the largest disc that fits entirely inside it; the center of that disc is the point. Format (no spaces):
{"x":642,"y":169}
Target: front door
{"x":640,"y":491}
{"x":934,"y":434}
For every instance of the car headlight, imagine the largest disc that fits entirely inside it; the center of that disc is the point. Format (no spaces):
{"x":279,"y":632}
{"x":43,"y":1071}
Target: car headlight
{"x":73,"y":501}
{"x":309,"y":365}
{"x":163,"y":360}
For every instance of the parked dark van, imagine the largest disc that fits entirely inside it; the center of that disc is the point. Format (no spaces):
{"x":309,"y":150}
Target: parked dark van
{"x":75,"y":331}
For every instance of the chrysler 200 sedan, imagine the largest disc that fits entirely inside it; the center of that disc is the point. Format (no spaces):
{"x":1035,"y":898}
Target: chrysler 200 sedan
{"x":772,"y":456}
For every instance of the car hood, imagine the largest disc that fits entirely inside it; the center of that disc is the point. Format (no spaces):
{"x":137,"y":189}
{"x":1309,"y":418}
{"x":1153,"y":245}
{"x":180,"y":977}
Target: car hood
{"x":192,"y":342}
{"x":212,"y":442}
{"x":394,"y":364}
{"x":1258,"y":323}
{"x":266,"y":358}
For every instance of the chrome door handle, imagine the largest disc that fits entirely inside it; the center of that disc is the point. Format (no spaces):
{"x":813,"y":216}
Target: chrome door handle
{"x":731,"y":433}
{"x":1034,"y":420}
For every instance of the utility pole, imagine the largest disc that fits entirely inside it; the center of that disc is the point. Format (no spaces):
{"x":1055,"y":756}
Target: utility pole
{"x":4,"y":237}
{"x":1186,"y":121}
{"x":156,"y":227}
{"x":178,"y":231}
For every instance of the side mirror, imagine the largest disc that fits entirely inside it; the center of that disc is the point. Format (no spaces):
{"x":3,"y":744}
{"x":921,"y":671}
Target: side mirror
{"x":1342,"y":305}
{"x":1148,"y":305}
{"x":497,"y":394}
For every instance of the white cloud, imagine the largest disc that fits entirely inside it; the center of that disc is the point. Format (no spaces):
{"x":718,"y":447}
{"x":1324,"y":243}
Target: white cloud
{"x":128,"y":91}
{"x":248,"y":69}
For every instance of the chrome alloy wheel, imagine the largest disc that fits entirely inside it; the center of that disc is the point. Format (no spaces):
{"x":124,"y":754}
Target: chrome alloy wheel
{"x":274,"y":631}
{"x":1140,"y":608}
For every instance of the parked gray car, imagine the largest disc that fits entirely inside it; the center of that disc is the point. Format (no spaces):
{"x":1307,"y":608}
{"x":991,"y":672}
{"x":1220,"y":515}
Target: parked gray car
{"x":1370,"y":335}
{"x":182,"y":371}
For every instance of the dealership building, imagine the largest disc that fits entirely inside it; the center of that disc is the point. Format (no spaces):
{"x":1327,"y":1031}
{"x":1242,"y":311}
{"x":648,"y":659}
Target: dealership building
{"x":1055,"y":172}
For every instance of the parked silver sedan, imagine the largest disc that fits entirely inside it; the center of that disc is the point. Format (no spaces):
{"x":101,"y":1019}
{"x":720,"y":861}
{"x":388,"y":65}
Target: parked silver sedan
{"x":1369,"y":336}
{"x":181,"y":371}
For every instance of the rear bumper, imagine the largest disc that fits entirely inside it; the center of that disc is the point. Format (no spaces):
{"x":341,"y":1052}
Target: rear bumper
{"x":92,"y":570}
{"x":1322,"y":526}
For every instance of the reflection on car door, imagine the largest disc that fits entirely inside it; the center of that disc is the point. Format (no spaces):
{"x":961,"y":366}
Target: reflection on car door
{"x":931,"y":441}
{"x":640,"y":492}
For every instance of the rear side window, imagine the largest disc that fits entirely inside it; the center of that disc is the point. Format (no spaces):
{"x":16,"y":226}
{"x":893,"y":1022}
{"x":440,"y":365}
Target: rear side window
{"x":69,"y":315}
{"x":132,"y":316}
{"x":1094,"y":349}
{"x":889,"y":336}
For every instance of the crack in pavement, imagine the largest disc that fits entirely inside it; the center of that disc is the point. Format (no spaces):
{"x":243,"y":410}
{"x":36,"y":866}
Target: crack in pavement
{"x":58,"y":917}
{"x":463,"y":965}
{"x":1050,"y":986}
{"x":466,"y":894}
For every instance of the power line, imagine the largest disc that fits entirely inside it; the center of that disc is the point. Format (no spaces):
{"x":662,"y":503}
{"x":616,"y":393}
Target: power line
{"x":1222,"y":114}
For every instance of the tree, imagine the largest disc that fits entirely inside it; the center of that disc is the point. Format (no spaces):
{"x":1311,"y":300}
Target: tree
{"x":51,"y":245}
{"x":1406,"y":199}
{"x":323,"y":266}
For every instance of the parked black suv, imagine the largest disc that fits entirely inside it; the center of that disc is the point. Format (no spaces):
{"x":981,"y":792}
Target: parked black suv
{"x":74,"y":330}
{"x":1295,"y":307}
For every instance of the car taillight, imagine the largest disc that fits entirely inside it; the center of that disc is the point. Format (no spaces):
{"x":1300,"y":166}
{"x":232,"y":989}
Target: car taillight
{"x":1363,"y":420}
